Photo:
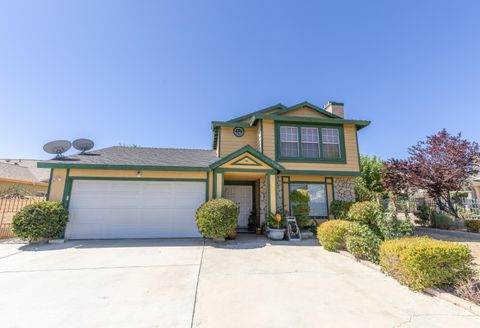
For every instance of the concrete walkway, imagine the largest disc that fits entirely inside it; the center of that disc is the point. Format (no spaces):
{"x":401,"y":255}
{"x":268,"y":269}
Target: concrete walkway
{"x":181,"y":283}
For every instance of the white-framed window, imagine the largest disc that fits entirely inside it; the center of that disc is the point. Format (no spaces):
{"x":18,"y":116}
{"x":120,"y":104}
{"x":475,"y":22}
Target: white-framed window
{"x":310,"y":142}
{"x":289,"y":141}
{"x":331,"y":143}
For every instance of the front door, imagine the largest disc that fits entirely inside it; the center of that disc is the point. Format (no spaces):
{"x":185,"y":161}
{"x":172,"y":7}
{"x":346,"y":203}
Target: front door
{"x":242,"y":195}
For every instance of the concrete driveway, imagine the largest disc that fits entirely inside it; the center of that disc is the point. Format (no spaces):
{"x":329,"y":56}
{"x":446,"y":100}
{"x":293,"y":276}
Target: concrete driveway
{"x":181,"y":283}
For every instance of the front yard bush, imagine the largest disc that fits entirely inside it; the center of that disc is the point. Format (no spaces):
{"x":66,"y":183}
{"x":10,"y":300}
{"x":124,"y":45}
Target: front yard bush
{"x":339,"y":209}
{"x":443,"y":221}
{"x":363,"y":243}
{"x":422,"y":262}
{"x":40,"y":221}
{"x":333,"y":234}
{"x":366,"y":213}
{"x":217,"y":218}
{"x":472,"y":225}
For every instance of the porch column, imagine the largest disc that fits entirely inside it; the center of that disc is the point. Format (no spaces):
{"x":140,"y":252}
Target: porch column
{"x":271,"y":193}
{"x":217,"y":184}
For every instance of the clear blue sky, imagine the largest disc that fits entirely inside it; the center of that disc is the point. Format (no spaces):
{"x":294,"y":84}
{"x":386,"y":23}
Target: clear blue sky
{"x":156,"y":73}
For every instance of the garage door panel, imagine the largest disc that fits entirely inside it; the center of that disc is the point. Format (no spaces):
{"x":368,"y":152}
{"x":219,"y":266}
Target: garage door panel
{"x":134,"y":209}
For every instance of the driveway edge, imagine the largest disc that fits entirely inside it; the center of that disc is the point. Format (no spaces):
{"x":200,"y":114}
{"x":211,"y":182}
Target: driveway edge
{"x":434,"y":292}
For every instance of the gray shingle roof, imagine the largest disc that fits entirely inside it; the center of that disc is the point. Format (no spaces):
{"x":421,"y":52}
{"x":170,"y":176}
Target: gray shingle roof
{"x":121,"y":155}
{"x":16,"y":172}
{"x":39,"y":174}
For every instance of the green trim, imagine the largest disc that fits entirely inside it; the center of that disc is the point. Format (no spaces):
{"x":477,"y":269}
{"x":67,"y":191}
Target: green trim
{"x":301,"y":119}
{"x":47,"y":196}
{"x":214,"y":184}
{"x":207,"y":188}
{"x":358,"y":153}
{"x":329,"y":181}
{"x":261,"y":136}
{"x":136,"y":179}
{"x":223,"y":185}
{"x":247,"y":170}
{"x":307,"y":104}
{"x":240,"y":118}
{"x":241,"y":159}
{"x":250,"y":150}
{"x":323,"y":173}
{"x":66,"y":193}
{"x":121,"y":167}
{"x":232,"y":124}
{"x":279,"y":158}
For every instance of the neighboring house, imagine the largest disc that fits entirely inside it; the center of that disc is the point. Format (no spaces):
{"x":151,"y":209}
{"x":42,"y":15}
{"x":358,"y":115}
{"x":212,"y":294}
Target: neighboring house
{"x":475,"y":188}
{"x":256,"y":161}
{"x":22,"y":177}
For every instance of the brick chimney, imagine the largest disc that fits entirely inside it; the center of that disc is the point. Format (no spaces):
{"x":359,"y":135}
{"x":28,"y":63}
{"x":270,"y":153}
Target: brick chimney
{"x":335,"y":108}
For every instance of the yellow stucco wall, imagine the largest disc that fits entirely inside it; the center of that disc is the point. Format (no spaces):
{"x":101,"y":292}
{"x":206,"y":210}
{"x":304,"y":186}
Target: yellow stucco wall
{"x":57,"y":184}
{"x":306,"y":112}
{"x":269,"y":138}
{"x":59,"y":177}
{"x":229,"y":143}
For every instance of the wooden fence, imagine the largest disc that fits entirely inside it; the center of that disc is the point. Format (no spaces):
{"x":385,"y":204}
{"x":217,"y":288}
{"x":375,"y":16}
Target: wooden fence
{"x":9,"y":206}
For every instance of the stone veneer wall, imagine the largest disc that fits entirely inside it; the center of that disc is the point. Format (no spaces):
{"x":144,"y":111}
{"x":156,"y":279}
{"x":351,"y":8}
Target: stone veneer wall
{"x":279,"y":194}
{"x":344,"y":189}
{"x":263,"y":200}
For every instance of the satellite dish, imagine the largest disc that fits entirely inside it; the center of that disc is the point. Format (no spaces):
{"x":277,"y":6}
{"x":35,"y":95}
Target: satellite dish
{"x":57,"y":147}
{"x":83,"y":145}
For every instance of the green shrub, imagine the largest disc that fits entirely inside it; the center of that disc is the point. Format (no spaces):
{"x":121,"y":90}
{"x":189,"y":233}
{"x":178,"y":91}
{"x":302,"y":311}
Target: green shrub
{"x":424,"y":215}
{"x":366,"y":213}
{"x":339,"y":209}
{"x":391,"y":227}
{"x":472,"y":225}
{"x":442,"y":221}
{"x":300,"y":208}
{"x":362,"y":242}
{"x":40,"y":220}
{"x":217,"y":218}
{"x":422,"y":262}
{"x":333,"y":234}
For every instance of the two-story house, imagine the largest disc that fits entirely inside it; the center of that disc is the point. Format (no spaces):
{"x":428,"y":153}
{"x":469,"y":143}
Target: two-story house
{"x":257,"y":160}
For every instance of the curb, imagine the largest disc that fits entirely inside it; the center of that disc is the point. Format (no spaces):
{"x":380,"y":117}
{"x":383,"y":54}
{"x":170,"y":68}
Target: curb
{"x":434,"y":292}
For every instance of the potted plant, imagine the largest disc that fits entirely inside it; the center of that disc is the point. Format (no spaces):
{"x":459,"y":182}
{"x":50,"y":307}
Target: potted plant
{"x":252,"y":220}
{"x":276,"y":226}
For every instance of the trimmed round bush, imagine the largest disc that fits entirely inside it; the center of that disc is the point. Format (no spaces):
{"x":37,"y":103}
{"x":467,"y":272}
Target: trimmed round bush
{"x":366,"y":213}
{"x":422,"y":262}
{"x":472,"y":225}
{"x":300,"y":208}
{"x":333,"y":234}
{"x":39,"y":221}
{"x":363,"y":243}
{"x":339,"y":209}
{"x":217,"y":218}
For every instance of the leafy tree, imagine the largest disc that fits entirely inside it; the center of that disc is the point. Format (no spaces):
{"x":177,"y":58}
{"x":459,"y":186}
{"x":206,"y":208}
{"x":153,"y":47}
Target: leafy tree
{"x":369,"y":186}
{"x":440,"y":165}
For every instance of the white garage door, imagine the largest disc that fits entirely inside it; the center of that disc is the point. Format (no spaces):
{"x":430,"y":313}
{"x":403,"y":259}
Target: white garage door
{"x":102,"y":209}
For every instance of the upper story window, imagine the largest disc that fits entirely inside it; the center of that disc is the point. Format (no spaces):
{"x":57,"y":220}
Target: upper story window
{"x":331,"y":143}
{"x":310,"y":143}
{"x":289,"y":141}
